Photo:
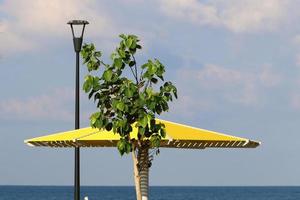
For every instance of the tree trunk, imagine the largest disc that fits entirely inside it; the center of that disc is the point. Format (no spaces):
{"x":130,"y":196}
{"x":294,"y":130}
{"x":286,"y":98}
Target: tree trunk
{"x":136,"y":176}
{"x":141,"y":172}
{"x":143,"y":159}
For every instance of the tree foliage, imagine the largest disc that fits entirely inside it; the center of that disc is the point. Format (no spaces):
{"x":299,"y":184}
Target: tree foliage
{"x":123,"y":102}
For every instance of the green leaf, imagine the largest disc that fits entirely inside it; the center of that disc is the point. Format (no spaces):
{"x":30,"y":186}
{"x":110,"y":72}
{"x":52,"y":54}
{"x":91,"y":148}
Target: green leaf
{"x":129,"y":42}
{"x":108,"y":126}
{"x":87,"y":86}
{"x":154,"y":80}
{"x":155,"y":140}
{"x":122,"y":53}
{"x":162,"y":132}
{"x":98,"y":54}
{"x":149,"y":92}
{"x":88,"y":83}
{"x":175,"y":94}
{"x":118,"y":62}
{"x":107,"y":75}
{"x":144,"y":121}
{"x":94,"y":119}
{"x":165,"y":106}
{"x":157,"y":152}
{"x":123,"y":36}
{"x":128,"y":92}
{"x":158,"y":109}
{"x":128,"y":147}
{"x":133,"y":45}
{"x":151,"y":69}
{"x":131,"y":63}
{"x":121,"y":146}
{"x":91,"y":93}
{"x":141,"y":130}
{"x":120,"y":106}
{"x":144,"y":66}
{"x":161,"y":77}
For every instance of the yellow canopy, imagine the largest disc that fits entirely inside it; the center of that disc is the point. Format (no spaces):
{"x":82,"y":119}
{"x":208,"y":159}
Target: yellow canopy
{"x":177,"y":136}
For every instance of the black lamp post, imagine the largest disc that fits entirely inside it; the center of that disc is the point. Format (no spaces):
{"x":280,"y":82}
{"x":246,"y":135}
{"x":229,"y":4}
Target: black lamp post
{"x":77,"y":47}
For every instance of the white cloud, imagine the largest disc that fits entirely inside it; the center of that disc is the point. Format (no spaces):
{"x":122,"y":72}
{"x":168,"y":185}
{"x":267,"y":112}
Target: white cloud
{"x":214,"y":76}
{"x":297,"y":59}
{"x":191,"y":10}
{"x":216,"y":83}
{"x":294,"y":94}
{"x":267,"y":77}
{"x":235,"y":86}
{"x":51,"y":106}
{"x":236,"y":15}
{"x":296,"y":42}
{"x":12,"y":42}
{"x":295,"y":101}
{"x":26,"y":21}
{"x":188,"y":105}
{"x":296,"y":39}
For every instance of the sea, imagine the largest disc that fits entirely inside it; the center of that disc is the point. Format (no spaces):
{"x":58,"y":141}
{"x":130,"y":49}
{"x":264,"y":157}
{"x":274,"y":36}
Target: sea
{"x":156,"y":193}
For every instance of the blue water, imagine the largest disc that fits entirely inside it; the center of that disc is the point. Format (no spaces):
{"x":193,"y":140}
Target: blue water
{"x":156,"y":193}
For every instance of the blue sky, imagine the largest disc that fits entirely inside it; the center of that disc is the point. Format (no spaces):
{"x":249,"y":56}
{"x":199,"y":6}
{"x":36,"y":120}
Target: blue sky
{"x":236,"y":65}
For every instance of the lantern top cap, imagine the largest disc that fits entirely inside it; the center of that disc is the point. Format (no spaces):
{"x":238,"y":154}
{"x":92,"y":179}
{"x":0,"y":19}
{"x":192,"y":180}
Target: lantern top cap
{"x":78,"y":22}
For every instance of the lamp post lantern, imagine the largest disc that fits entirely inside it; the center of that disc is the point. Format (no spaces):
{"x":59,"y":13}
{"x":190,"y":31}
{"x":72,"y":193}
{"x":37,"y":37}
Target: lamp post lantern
{"x":77,"y":41}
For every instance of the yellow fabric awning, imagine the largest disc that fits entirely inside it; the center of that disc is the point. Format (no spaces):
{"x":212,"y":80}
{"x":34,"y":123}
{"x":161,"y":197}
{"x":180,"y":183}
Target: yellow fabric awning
{"x":177,"y":136}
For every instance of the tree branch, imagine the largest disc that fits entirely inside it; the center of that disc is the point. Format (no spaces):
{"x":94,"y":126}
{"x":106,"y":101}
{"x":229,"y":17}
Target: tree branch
{"x":101,"y":62}
{"x":141,"y":74}
{"x":147,"y":84}
{"x":136,"y":74}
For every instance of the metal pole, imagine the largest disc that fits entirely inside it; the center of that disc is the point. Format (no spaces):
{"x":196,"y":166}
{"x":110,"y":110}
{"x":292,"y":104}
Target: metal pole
{"x":77,"y":152}
{"x":77,"y":41}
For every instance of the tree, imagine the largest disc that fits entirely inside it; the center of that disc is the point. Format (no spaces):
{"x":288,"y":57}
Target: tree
{"x":124,"y":102}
